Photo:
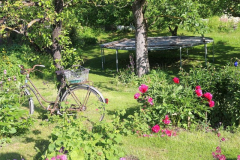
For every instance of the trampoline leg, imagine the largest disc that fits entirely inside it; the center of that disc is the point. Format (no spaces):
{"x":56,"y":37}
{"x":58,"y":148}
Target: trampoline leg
{"x":117,"y":59}
{"x":213,"y":50}
{"x":205,"y":46}
{"x":102,"y":56}
{"x":180,"y":57}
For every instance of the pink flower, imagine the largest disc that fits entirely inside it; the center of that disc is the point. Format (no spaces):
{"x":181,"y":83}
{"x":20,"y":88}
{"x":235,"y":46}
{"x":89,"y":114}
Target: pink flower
{"x":156,"y":128}
{"x":223,"y":139}
{"x":168,"y":133}
{"x":199,"y":92}
{"x":238,"y":157}
{"x":211,"y":104}
{"x":5,"y":71}
{"x":176,"y":80}
{"x":143,"y":88}
{"x":222,"y":157}
{"x":218,"y":134}
{"x":218,"y":149}
{"x":208,"y":96}
{"x":166,"y":120}
{"x":151,"y":103}
{"x":150,"y":99}
{"x":198,"y":87}
{"x":136,"y":96}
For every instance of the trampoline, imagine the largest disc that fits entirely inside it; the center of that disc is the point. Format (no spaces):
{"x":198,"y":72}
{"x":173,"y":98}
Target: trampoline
{"x":159,"y":43}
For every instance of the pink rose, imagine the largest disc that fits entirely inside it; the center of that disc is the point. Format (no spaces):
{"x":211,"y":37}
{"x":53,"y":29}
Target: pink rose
{"x":198,"y":87}
{"x":143,"y":88}
{"x":176,"y":80}
{"x":156,"y":128}
{"x":136,"y":96}
{"x":211,"y":104}
{"x":208,"y":96}
{"x":199,"y":92}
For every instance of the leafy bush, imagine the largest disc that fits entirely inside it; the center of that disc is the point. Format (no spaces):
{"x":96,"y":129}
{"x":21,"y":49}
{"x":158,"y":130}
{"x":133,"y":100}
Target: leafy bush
{"x":13,"y":119}
{"x":224,"y":84}
{"x":71,"y":138}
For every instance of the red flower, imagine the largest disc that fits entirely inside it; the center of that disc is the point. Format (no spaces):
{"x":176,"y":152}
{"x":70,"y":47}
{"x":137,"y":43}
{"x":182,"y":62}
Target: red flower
{"x":166,"y":120}
{"x":198,"y":87}
{"x":168,"y":133}
{"x":223,"y":139}
{"x":211,"y":104}
{"x":176,"y":80}
{"x":136,"y":96}
{"x":208,"y":96}
{"x":199,"y":92}
{"x":156,"y":128}
{"x":143,"y":88}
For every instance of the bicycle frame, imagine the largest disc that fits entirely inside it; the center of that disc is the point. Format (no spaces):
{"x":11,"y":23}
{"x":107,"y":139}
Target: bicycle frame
{"x":55,"y":104}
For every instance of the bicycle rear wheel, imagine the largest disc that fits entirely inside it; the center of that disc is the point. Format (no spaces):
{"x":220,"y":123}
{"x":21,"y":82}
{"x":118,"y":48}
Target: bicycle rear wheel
{"x":90,"y":103}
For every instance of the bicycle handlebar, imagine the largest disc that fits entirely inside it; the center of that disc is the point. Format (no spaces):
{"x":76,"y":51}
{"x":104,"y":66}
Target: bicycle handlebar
{"x":27,"y":71}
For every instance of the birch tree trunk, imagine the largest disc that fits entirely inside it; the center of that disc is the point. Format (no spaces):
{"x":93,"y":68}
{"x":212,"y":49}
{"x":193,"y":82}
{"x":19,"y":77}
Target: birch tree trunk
{"x":142,"y":62}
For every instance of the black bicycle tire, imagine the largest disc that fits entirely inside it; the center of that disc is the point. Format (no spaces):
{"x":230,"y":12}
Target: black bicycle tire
{"x":87,"y":87}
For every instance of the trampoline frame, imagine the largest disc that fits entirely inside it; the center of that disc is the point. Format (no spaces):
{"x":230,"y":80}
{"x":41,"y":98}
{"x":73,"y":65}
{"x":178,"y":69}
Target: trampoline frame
{"x":174,"y":45}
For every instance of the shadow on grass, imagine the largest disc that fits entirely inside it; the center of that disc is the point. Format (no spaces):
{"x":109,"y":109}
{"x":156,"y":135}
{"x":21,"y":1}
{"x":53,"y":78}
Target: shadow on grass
{"x":12,"y":156}
{"x":42,"y":146}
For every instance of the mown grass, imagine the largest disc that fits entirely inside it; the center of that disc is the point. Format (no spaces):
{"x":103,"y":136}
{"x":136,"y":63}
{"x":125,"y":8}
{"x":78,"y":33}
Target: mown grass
{"x":186,"y":145}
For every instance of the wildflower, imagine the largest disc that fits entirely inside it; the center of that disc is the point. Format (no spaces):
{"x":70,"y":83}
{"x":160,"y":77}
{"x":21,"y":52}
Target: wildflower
{"x":9,"y":79}
{"x":176,"y":80}
{"x":5,"y":71}
{"x":166,"y":120}
{"x":236,"y":64}
{"x":143,"y":88}
{"x":122,"y":158}
{"x":208,"y":96}
{"x":198,"y":87}
{"x":156,"y":128}
{"x":136,"y":96}
{"x":211,"y":104}
{"x":223,"y":139}
{"x":199,"y":92}
{"x":218,"y":134}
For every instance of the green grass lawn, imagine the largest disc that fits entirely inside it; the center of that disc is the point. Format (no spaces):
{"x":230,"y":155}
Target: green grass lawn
{"x":192,"y":145}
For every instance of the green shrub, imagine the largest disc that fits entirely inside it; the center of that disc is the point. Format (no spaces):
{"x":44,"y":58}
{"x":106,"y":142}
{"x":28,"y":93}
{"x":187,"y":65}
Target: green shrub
{"x":71,"y":138}
{"x":224,"y":84}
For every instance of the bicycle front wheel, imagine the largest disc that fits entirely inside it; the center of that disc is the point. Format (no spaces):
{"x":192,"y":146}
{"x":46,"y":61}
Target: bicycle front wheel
{"x":89,"y":102}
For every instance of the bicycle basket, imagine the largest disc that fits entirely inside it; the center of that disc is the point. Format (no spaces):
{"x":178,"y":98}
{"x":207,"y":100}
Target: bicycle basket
{"x":76,"y":76}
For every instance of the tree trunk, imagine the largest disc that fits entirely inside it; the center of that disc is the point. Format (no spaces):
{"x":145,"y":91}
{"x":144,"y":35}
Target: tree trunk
{"x":56,"y":48}
{"x":174,"y":32}
{"x":142,"y":62}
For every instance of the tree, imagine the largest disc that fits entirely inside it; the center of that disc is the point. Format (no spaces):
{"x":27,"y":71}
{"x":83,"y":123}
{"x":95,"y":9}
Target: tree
{"x":43,"y":23}
{"x":142,"y":62}
{"x":173,"y":13}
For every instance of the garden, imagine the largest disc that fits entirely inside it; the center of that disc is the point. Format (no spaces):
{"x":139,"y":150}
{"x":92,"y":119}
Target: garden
{"x":169,"y":113}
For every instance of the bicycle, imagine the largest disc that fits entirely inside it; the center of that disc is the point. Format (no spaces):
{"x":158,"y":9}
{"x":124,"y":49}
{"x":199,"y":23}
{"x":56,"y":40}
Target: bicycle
{"x":76,"y":94}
